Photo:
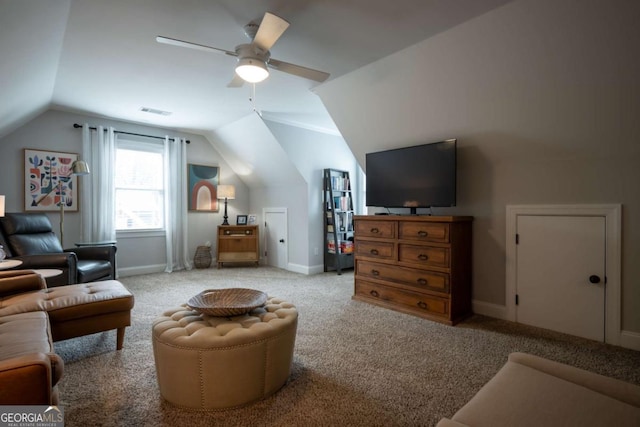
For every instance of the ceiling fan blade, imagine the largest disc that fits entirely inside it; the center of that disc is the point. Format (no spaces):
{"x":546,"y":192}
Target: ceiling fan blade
{"x":298,"y":70}
{"x":236,"y":81}
{"x":181,"y":43}
{"x":270,"y":30}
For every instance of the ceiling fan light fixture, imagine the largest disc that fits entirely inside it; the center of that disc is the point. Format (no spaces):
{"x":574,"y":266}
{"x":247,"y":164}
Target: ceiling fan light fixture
{"x":252,"y":70}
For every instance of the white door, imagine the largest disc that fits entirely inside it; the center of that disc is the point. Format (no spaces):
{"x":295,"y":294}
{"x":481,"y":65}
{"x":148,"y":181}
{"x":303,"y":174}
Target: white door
{"x":560,"y":273}
{"x":276,"y":244}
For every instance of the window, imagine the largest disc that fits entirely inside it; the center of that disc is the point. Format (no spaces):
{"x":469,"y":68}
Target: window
{"x":139,"y":188}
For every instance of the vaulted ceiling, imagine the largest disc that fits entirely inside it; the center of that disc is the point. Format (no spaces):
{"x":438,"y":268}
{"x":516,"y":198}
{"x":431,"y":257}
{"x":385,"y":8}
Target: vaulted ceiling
{"x":101,"y":58}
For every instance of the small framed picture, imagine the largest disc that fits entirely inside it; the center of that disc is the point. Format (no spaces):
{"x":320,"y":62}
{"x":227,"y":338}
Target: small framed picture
{"x":252,"y":219}
{"x":241,"y":220}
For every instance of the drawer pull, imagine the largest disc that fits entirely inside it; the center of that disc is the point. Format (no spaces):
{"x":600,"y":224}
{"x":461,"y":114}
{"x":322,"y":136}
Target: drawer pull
{"x":422,"y":305}
{"x":374,"y":252}
{"x":423,"y":257}
{"x":375,"y":230}
{"x":374,"y":294}
{"x":375,"y":272}
{"x":422,"y":281}
{"x":422,"y":233}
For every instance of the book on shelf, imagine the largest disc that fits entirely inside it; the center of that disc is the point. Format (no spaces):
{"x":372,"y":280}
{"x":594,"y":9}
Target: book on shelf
{"x":342,"y":203}
{"x":339,"y":183}
{"x":346,"y":247}
{"x":331,"y":246}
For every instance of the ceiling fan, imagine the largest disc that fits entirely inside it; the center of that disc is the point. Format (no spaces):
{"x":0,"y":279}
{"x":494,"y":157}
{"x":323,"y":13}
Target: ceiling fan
{"x":255,"y":57}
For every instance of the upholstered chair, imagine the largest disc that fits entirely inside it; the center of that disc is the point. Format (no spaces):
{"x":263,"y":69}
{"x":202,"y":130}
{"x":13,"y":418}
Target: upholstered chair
{"x":29,"y":237}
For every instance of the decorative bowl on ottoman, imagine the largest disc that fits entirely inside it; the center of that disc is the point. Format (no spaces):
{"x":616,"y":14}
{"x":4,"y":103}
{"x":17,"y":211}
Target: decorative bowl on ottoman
{"x":227,"y":302}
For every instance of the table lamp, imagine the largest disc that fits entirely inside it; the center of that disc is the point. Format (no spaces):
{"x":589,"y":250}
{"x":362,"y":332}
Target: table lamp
{"x":226,"y":192}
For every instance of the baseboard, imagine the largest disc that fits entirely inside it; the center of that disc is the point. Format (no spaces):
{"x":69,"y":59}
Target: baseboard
{"x":629,"y":339}
{"x":297,"y":268}
{"x":305,"y":269}
{"x":488,"y":309}
{"x":145,"y":269}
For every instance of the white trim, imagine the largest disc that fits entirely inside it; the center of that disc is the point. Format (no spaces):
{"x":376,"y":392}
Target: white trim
{"x":143,"y":269}
{"x":613,"y":254}
{"x":305,"y":269}
{"x":629,"y":339}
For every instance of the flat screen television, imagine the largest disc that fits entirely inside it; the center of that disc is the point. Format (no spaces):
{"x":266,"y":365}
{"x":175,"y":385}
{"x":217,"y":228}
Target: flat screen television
{"x":422,"y":176}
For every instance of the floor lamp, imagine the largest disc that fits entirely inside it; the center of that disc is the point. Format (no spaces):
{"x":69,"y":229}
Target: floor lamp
{"x":78,"y":167}
{"x":226,"y":192}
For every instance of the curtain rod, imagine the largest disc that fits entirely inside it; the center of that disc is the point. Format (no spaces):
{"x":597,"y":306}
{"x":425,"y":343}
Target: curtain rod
{"x":75,"y":125}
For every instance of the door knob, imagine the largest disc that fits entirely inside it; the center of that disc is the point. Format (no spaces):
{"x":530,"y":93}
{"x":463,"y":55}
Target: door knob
{"x":281,"y":240}
{"x":594,"y":279}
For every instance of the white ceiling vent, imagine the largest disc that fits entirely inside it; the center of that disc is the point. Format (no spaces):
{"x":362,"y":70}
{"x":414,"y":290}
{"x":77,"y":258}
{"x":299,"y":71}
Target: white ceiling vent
{"x":155,"y":111}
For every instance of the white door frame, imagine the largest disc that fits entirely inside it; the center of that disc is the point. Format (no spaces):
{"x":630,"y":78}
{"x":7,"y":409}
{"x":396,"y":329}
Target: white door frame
{"x":265,"y":211}
{"x":613,"y":255}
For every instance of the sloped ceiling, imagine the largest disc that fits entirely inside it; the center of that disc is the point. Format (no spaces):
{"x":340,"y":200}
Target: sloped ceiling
{"x":101,"y":58}
{"x":31,"y":34}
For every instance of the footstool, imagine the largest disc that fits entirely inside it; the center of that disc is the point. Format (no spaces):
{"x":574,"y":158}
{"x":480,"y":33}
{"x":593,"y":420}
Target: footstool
{"x":212,"y":363}
{"x":77,"y":310}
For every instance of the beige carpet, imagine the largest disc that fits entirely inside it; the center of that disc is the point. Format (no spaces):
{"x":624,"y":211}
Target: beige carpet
{"x":354,"y":364}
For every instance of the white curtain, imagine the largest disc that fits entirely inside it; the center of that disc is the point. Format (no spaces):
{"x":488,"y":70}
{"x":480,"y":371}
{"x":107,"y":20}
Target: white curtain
{"x":98,"y":210}
{"x":176,"y":204}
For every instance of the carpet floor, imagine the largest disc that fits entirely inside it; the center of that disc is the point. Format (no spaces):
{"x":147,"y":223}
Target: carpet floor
{"x":354,"y":364}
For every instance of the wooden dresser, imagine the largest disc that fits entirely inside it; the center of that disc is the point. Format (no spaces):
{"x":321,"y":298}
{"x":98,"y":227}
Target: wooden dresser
{"x":238,"y":243}
{"x":419,"y":265}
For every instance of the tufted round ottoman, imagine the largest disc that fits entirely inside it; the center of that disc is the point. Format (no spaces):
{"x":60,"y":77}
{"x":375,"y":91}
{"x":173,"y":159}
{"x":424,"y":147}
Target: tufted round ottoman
{"x":212,"y":363}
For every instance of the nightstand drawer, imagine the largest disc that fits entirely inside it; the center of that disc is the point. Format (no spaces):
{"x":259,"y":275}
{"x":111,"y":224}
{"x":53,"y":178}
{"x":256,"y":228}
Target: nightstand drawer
{"x":373,"y":228}
{"x":366,"y":248}
{"x":420,"y":279}
{"x":424,"y":231}
{"x":425,"y":256}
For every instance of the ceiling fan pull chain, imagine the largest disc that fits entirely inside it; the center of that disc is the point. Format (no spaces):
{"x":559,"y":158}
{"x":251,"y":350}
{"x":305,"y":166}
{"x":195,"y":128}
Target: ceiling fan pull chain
{"x":252,"y":99}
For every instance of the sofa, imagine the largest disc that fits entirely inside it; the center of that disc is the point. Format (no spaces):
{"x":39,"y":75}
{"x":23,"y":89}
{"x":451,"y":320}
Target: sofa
{"x":33,"y":317}
{"x":533,"y":391}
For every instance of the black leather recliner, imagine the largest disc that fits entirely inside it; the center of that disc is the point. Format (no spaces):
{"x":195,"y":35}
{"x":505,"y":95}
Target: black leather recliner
{"x":29,"y":237}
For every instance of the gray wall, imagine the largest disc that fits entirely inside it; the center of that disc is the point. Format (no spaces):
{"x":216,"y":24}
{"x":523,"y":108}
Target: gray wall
{"x":53,"y":130}
{"x":544,"y":98}
{"x":311,"y":152}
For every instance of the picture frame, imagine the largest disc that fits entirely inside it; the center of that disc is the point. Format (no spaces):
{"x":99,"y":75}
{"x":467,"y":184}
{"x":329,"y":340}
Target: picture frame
{"x":202,"y":186}
{"x":241,"y":220}
{"x":48,"y":181}
{"x":252,"y":219}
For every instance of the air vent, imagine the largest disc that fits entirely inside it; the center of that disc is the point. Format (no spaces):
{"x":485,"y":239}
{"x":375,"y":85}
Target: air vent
{"x":155,"y":111}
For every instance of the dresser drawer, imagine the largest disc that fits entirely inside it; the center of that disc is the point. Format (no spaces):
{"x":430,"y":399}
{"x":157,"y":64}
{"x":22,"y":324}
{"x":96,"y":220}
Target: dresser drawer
{"x":420,"y":279}
{"x":237,"y":230}
{"x":373,"y":228}
{"x":424,"y":231}
{"x":426,"y":256}
{"x":413,"y":301}
{"x":382,"y":250}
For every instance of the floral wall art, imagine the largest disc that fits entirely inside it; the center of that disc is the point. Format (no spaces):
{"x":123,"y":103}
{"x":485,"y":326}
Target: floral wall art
{"x":48,"y":181}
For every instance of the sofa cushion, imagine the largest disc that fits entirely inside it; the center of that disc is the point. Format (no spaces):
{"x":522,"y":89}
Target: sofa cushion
{"x":28,"y":333}
{"x":524,"y":396}
{"x":24,"y":333}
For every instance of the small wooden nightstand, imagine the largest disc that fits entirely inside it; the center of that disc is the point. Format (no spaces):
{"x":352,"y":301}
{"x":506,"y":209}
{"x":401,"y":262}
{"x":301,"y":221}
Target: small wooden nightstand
{"x":238,"y":243}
